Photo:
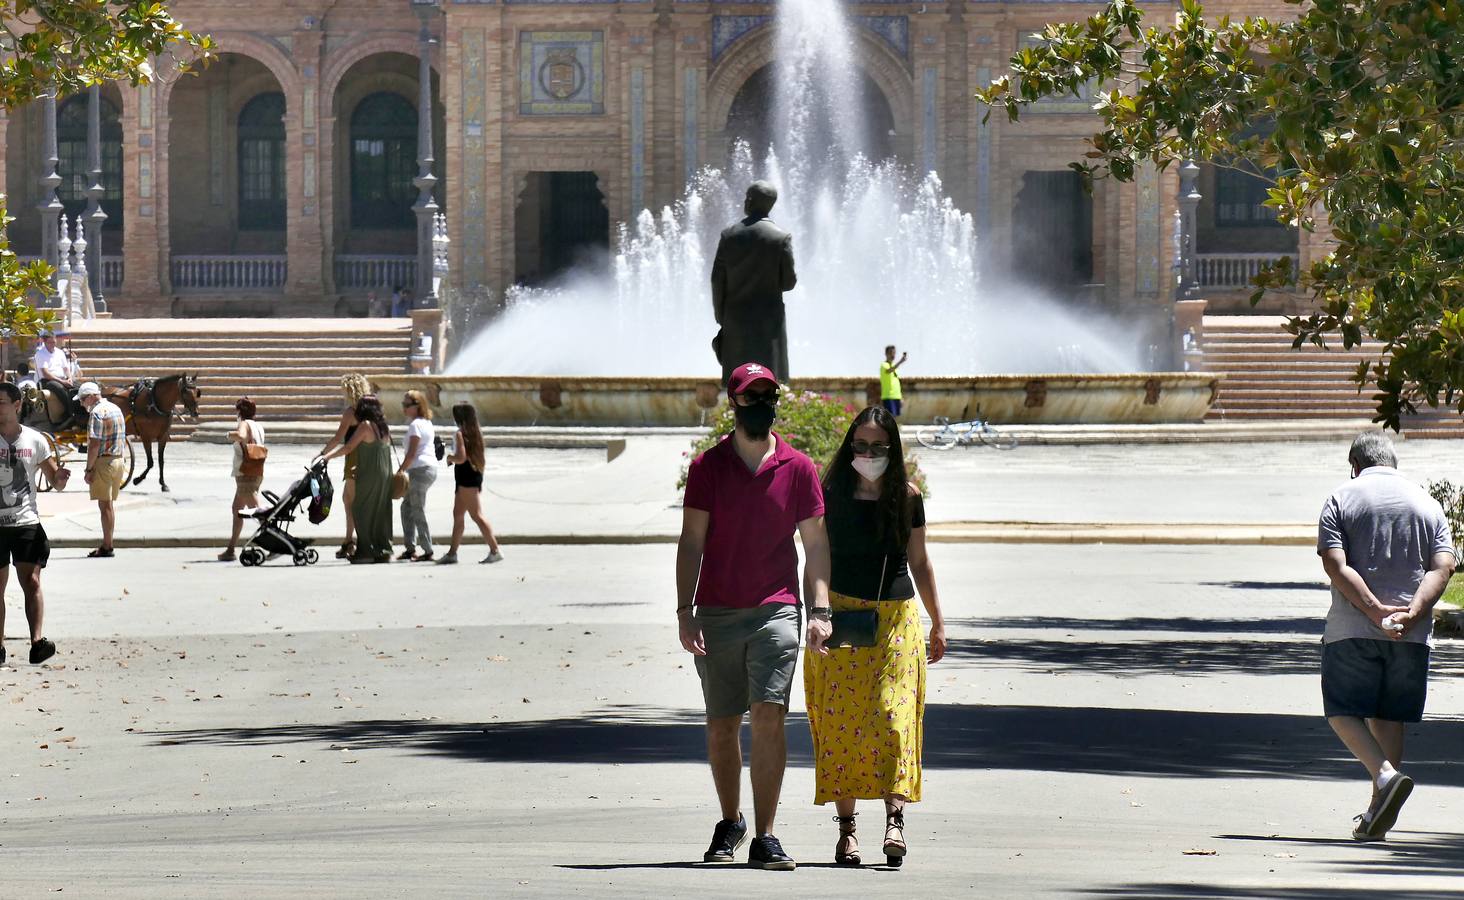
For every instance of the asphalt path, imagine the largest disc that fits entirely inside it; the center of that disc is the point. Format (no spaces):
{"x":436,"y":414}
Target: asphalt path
{"x":1111,"y":721}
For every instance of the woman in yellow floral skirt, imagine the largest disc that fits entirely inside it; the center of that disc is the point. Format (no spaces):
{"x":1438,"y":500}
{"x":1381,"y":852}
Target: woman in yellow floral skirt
{"x":866,"y":697}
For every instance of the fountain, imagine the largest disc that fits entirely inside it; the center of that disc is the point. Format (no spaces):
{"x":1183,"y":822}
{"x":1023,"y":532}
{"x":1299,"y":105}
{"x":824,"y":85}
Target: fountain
{"x":883,"y":257}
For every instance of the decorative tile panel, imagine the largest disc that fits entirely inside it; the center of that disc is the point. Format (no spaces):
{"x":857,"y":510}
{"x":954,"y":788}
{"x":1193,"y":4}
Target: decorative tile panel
{"x":1146,"y":238}
{"x":728,"y":30}
{"x":893,"y":30}
{"x":929,"y":91}
{"x":561,"y":73}
{"x":983,"y":165}
{"x":637,"y":140}
{"x":691,"y":139}
{"x":475,"y":164}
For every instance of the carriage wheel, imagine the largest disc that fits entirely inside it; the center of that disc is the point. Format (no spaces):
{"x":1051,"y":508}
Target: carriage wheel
{"x":130,"y":443}
{"x":59,"y":452}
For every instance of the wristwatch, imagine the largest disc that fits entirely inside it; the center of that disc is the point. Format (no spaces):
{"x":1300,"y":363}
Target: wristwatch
{"x":821,"y":612}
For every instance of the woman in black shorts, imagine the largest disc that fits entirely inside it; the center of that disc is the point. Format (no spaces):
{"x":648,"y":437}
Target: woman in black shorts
{"x":467,"y":473}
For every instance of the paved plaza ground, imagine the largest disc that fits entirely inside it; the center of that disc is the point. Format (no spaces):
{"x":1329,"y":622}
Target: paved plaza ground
{"x":1112,"y":720}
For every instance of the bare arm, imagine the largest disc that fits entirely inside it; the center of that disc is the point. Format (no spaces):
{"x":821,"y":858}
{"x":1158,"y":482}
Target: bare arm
{"x":895,"y":366}
{"x":817,"y":567}
{"x":356,"y":440}
{"x":348,"y":418}
{"x":459,"y":450}
{"x":56,"y":473}
{"x":689,"y":549}
{"x":413,"y":442}
{"x":240,"y":435}
{"x":924,"y":574}
{"x":1431,"y":588}
{"x":1348,"y":582}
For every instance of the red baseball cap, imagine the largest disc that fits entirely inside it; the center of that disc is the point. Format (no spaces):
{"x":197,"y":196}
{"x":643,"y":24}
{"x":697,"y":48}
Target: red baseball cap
{"x":748,"y":374}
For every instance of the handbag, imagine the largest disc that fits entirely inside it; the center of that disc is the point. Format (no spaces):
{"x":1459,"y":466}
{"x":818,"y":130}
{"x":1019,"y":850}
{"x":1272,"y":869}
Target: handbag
{"x":858,"y":627}
{"x":252,"y":466}
{"x":399,"y":480}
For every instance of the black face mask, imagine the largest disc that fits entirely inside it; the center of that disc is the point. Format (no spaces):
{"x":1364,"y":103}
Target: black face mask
{"x":755,"y":420}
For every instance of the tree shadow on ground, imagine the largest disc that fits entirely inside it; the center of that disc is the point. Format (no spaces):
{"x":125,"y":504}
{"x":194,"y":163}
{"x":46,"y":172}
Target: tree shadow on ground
{"x":1171,"y":657}
{"x":1172,"y":743}
{"x":1404,"y":853}
{"x":1269,"y":892}
{"x":1300,"y":625}
{"x":1270,"y":585}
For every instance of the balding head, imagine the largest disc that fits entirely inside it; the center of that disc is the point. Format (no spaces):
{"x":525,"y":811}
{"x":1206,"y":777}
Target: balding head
{"x":761,"y":196}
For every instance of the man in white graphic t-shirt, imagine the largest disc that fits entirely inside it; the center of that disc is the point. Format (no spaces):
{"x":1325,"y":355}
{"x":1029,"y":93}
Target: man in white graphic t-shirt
{"x":22,"y":451}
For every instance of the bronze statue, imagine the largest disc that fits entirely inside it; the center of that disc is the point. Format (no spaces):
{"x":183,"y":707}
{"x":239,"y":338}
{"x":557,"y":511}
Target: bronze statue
{"x":754,"y":266}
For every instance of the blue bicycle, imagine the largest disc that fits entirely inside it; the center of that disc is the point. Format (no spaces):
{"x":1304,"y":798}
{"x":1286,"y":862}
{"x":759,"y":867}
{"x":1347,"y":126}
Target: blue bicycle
{"x":945,"y":434}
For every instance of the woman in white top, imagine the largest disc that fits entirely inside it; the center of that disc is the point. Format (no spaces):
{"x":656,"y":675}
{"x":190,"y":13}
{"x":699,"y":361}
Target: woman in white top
{"x":246,"y":487}
{"x":419,"y":458}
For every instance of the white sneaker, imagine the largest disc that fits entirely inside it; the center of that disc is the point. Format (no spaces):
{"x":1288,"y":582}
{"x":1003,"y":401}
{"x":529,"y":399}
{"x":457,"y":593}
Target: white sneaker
{"x":493,"y":557}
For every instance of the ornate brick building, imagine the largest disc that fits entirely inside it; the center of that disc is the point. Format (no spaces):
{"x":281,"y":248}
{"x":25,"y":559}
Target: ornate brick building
{"x":281,"y":179}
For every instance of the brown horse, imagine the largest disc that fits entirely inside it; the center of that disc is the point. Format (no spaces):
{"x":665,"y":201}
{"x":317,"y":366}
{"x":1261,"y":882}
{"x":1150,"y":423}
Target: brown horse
{"x":150,"y":402}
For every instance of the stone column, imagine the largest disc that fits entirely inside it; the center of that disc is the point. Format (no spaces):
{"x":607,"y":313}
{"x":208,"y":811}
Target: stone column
{"x":426,"y":206}
{"x":94,"y":216}
{"x":305,"y":246}
{"x":50,"y":205}
{"x":146,"y":249}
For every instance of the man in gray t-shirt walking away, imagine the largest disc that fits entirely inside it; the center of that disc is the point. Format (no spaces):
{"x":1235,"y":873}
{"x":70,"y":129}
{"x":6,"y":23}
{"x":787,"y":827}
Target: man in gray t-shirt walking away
{"x":1387,"y":549}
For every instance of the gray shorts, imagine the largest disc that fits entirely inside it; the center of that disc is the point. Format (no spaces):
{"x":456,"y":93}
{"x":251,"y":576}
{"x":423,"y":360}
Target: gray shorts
{"x":751,"y":656}
{"x":1375,"y":679}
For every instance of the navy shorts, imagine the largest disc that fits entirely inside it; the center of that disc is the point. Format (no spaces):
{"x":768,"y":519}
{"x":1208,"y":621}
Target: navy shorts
{"x":892,"y":407}
{"x":1375,"y":679}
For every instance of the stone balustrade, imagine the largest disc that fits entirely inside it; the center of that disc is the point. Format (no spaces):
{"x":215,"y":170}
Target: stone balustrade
{"x":1231,"y":270}
{"x":228,"y":273}
{"x":375,"y":271}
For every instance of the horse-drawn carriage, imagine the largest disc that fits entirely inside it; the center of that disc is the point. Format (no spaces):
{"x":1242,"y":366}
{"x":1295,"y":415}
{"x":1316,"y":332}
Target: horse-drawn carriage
{"x":147,"y":405}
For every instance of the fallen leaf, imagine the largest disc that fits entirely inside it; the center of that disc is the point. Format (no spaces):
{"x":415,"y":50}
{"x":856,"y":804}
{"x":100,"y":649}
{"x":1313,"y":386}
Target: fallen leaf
{"x":1199,"y":852}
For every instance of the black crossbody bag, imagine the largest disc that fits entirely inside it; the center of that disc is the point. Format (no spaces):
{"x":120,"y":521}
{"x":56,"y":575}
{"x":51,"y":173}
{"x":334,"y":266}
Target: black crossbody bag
{"x":855,"y":628}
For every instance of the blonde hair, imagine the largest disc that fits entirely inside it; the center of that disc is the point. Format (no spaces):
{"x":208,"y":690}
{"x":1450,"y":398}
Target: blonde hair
{"x":355,"y":386}
{"x":423,"y":409}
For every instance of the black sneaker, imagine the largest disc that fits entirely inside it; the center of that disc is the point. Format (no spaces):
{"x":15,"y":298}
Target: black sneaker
{"x":767,"y":853}
{"x":42,"y":650}
{"x":2,"y":655}
{"x":1382,"y":815}
{"x":727,"y":837}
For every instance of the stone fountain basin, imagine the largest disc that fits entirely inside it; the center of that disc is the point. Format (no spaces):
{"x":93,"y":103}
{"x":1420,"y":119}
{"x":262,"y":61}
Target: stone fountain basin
{"x":1142,"y":398}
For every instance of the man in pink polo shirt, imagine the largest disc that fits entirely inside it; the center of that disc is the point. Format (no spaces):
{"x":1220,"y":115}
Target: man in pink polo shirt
{"x":737,"y":601}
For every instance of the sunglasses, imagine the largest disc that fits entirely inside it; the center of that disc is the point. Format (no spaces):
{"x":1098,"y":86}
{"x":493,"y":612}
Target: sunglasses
{"x":748,"y":398}
{"x":865,"y":448}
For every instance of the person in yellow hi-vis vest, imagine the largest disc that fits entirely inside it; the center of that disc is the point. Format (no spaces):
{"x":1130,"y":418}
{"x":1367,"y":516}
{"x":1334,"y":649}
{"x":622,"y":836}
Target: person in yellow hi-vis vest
{"x":890,"y":396}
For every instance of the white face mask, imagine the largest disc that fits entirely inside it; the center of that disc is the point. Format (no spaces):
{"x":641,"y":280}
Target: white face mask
{"x":871,"y":467}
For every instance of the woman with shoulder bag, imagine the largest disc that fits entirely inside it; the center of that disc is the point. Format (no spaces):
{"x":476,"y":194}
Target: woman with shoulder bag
{"x":249,"y":456}
{"x":354,"y":386}
{"x":420,"y":466}
{"x":371,"y":507}
{"x":866,"y":697}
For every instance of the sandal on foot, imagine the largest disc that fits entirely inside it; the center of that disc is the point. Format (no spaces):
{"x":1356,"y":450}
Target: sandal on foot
{"x":226,"y":556}
{"x":424,"y":557}
{"x":894,"y":840}
{"x":348,"y":550}
{"x":102,"y":553}
{"x":846,"y":851}
{"x":406,"y":555}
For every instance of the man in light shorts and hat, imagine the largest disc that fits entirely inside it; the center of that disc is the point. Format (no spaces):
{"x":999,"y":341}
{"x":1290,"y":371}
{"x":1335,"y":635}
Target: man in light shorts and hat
{"x":106,"y":470}
{"x":737,"y":603}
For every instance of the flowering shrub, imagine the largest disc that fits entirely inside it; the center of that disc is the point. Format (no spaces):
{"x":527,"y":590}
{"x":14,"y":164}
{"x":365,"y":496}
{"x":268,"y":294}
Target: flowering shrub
{"x":813,"y":423}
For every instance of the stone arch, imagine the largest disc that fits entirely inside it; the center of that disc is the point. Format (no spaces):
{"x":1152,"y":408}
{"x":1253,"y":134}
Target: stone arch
{"x":341,"y":61}
{"x":263,"y":51}
{"x":757,"y":49}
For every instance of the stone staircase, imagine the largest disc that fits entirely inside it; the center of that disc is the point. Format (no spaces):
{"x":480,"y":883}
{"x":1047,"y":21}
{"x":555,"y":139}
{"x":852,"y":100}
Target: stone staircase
{"x":1265,"y":379}
{"x":291,"y":368}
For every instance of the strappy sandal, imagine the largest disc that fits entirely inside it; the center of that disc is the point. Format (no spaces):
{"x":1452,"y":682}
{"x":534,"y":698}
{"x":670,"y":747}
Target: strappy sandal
{"x":846,"y":851}
{"x":348,"y":550}
{"x":894,"y":841}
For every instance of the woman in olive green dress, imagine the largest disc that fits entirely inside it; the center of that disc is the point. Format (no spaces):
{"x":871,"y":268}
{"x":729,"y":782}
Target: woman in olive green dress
{"x":371,"y":507}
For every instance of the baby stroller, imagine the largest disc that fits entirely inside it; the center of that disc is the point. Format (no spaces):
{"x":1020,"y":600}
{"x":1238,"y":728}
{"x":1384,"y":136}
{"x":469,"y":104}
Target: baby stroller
{"x":273,"y":537}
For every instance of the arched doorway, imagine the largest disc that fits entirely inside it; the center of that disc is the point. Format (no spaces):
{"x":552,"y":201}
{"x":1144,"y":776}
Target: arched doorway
{"x":227,"y":165}
{"x":71,"y":128}
{"x":261,"y":158}
{"x":752,"y":116}
{"x":383,"y":163}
